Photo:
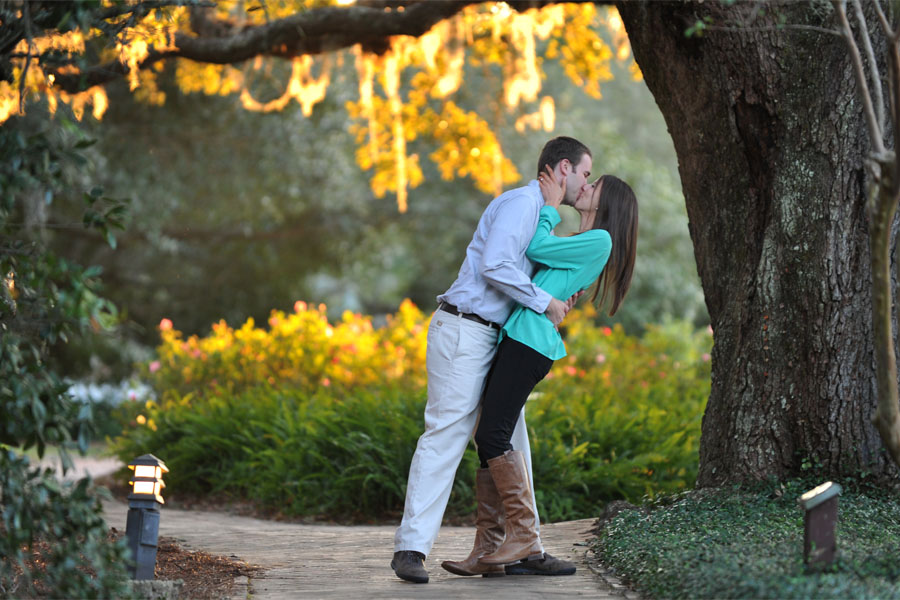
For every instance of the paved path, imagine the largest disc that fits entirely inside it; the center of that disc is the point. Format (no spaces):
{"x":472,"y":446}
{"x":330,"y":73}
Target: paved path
{"x":349,"y":562}
{"x":95,"y":466}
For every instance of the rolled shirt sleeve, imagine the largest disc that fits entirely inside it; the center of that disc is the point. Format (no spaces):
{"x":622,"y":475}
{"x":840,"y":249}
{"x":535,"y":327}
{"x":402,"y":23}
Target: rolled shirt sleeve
{"x":508,"y":239}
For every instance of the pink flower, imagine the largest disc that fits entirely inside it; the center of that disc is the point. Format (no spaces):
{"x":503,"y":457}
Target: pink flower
{"x":601,"y":358}
{"x":570,"y":370}
{"x":706,"y":358}
{"x":165,"y":325}
{"x":299,"y":306}
{"x":154,"y":366}
{"x":326,"y":382}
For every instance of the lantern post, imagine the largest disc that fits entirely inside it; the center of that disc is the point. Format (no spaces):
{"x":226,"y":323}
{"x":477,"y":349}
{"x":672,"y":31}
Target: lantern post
{"x":144,"y":502}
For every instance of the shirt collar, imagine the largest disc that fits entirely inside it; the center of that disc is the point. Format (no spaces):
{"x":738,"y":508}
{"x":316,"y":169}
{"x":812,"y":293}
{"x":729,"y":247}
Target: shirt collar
{"x":535,"y":188}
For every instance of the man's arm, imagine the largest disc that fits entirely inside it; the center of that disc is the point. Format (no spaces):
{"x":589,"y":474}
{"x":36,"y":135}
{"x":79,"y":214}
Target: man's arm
{"x":557,"y":309}
{"x":507,"y":240}
{"x":510,"y":235}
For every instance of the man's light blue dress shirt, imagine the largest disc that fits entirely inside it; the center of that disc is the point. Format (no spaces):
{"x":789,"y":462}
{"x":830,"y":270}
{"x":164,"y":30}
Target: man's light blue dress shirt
{"x":496,"y":273}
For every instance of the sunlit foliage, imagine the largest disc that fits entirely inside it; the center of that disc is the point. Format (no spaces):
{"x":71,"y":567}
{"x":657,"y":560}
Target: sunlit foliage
{"x":300,"y":349}
{"x":406,"y":93}
{"x":312,"y":417}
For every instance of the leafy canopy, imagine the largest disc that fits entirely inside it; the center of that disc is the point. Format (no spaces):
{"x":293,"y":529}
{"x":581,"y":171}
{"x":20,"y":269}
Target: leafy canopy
{"x":410,"y":59}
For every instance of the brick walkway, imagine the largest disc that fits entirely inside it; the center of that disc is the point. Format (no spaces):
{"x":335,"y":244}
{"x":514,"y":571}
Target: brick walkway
{"x":349,"y":562}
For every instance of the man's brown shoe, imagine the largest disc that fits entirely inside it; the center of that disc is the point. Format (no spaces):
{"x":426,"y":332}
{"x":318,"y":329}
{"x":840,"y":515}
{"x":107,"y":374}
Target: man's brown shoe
{"x":410,"y":565}
{"x":549,"y":565}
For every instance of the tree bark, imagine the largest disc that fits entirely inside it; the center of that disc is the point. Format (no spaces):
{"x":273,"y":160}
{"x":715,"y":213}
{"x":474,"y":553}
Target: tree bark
{"x":770,"y":139}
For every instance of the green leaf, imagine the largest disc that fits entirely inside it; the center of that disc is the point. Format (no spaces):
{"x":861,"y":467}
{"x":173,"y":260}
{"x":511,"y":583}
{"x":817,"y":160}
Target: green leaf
{"x":92,"y":271}
{"x":39,"y":411}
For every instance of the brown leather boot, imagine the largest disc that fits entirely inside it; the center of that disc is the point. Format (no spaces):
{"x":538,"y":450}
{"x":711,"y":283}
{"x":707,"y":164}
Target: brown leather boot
{"x":522,"y":541}
{"x":489,"y":530}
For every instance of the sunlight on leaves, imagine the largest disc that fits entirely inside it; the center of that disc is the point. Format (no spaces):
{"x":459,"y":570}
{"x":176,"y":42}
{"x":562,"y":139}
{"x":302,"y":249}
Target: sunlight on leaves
{"x":408,"y":93}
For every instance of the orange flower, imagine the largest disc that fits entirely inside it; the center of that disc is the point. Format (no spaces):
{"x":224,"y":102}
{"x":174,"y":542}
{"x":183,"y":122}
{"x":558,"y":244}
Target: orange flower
{"x":165,"y":325}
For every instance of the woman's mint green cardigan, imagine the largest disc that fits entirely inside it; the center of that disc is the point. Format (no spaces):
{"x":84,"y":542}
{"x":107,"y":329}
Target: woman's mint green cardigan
{"x":565,"y":265}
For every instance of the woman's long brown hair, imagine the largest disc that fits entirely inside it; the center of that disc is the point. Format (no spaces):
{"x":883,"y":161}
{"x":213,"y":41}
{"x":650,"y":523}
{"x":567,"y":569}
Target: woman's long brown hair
{"x":617,"y":213}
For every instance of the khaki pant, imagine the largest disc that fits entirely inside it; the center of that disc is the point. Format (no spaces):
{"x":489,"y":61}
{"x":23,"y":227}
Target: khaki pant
{"x":458,"y":357}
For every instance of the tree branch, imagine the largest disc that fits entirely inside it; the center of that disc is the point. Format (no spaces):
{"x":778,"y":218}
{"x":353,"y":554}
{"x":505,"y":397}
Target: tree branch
{"x":143,"y":8}
{"x":860,"y":75}
{"x":885,"y":26}
{"x":796,"y":27}
{"x":26,"y":13}
{"x":370,"y":22}
{"x":873,"y":64}
{"x":310,"y":32}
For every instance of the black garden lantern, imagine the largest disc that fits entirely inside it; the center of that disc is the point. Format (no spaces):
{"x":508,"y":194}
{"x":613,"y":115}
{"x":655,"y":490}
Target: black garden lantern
{"x":144,"y":501}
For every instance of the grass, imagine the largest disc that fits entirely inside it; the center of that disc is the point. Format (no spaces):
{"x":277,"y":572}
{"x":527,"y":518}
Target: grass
{"x":732,"y":543}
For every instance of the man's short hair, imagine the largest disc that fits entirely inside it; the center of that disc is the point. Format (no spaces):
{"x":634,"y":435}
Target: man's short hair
{"x":559,"y":148}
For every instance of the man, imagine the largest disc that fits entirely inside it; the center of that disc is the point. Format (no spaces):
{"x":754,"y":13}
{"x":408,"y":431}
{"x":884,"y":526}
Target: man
{"x":462,"y":340}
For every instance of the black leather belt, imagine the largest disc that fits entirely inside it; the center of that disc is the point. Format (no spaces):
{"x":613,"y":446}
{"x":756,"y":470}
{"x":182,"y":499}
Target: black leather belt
{"x":470,"y":316}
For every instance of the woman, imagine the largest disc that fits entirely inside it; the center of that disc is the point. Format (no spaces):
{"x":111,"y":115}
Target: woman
{"x":603,"y":252}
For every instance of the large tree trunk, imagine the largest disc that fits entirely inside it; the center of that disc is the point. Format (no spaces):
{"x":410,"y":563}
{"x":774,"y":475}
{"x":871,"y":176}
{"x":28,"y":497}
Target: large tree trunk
{"x":770,"y":140}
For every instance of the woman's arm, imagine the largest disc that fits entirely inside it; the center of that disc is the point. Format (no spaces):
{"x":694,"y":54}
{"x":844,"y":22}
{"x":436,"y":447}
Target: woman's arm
{"x":565,"y":252}
{"x":552,"y":191}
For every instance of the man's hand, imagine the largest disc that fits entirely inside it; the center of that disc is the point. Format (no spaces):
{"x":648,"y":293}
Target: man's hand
{"x":556,"y":311}
{"x":573,"y":299}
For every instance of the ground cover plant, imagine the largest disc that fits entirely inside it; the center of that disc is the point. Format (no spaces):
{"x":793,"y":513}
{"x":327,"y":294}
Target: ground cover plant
{"x":320,"y":419}
{"x":733,"y":543}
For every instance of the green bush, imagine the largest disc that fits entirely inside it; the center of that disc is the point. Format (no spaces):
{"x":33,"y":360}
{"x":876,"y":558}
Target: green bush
{"x":733,"y":543}
{"x":301,"y":454}
{"x":81,"y":562}
{"x":619,"y":418}
{"x":43,"y":301}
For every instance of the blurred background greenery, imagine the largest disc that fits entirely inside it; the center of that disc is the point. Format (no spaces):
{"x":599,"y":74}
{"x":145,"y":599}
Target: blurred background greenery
{"x":234,"y":213}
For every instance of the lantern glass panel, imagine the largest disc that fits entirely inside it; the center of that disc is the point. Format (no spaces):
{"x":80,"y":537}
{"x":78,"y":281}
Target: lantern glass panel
{"x":146,"y":471}
{"x":816,"y":491}
{"x":145,"y":487}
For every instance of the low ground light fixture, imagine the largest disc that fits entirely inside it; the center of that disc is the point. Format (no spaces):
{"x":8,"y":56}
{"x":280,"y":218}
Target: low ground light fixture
{"x":820,"y":506}
{"x":144,"y":502}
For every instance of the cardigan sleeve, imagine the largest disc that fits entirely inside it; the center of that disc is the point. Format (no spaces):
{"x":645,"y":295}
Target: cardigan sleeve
{"x":566,"y":252}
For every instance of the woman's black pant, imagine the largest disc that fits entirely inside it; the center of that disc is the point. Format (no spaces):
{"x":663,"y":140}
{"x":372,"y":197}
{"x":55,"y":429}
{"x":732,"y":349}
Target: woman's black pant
{"x":516,"y":370}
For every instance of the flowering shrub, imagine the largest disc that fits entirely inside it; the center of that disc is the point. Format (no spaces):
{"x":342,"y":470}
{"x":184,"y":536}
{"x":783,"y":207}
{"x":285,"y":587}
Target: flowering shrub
{"x":322,"y":419}
{"x":299,"y":350}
